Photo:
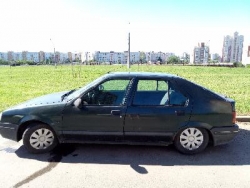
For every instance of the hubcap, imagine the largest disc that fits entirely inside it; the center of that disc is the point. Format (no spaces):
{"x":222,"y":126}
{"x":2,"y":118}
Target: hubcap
{"x":41,"y":138}
{"x":191,"y":138}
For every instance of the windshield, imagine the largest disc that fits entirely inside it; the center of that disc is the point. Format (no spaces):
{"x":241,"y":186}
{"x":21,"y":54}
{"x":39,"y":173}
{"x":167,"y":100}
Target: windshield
{"x":81,"y":90}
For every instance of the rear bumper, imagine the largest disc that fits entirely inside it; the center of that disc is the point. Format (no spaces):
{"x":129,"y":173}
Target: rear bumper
{"x":223,"y":135}
{"x":9,"y":131}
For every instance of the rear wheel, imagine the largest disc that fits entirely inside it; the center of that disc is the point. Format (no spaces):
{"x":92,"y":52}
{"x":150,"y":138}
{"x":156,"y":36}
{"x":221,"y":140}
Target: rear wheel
{"x":39,"y":138}
{"x":191,"y":140}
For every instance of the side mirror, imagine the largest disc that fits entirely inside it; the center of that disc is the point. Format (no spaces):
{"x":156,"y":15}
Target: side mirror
{"x":78,"y":103}
{"x":100,"y":88}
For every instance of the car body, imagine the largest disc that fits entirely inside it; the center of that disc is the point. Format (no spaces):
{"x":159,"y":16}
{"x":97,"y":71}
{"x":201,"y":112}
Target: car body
{"x":125,"y":108}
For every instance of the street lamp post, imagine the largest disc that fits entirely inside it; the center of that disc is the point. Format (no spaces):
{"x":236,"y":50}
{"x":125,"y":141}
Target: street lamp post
{"x":128,"y":61}
{"x":54,"y":52}
{"x":86,"y":57}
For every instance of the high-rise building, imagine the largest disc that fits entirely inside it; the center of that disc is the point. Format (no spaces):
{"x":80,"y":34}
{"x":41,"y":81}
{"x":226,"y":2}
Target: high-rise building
{"x":201,"y":54}
{"x":227,"y":48}
{"x":232,"y":48}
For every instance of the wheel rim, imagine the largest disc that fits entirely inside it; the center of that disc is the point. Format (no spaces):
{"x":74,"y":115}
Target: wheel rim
{"x":41,"y":138}
{"x":191,"y":138}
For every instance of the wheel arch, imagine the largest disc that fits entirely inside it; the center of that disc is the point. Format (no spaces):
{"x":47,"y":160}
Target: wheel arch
{"x":39,"y":137}
{"x":197,"y":124}
{"x":24,"y":125}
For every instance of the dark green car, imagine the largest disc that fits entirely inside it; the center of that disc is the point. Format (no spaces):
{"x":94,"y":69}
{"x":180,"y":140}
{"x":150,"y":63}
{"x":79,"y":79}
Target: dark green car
{"x":125,"y":108}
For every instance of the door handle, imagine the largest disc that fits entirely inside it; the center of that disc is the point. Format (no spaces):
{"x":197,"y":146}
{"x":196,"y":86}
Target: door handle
{"x":134,"y":116}
{"x":180,"y":113}
{"x":116,"y":112}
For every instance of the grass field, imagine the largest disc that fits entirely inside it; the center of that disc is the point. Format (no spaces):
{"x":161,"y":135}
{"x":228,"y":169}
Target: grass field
{"x":18,"y":84}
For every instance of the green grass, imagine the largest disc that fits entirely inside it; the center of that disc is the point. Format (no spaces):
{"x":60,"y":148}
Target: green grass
{"x":18,"y":84}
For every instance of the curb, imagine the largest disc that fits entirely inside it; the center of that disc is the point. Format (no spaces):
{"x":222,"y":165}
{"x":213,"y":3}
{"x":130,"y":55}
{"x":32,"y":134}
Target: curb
{"x":243,"y":118}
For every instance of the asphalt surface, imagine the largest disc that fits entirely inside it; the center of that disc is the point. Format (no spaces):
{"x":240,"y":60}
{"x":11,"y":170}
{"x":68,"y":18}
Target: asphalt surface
{"x":75,"y":165}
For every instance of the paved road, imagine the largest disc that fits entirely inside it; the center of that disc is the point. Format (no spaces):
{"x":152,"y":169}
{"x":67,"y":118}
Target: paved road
{"x":127,"y":166}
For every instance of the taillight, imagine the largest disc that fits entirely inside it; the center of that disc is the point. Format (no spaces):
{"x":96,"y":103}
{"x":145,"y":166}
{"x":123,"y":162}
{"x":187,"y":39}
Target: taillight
{"x":234,"y":117}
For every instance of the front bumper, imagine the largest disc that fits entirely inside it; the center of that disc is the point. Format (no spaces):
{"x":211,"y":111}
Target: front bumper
{"x":9,"y":131}
{"x":223,"y":135}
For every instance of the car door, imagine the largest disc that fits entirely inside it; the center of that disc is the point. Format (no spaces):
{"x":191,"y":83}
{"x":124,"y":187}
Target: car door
{"x":100,"y":115}
{"x":156,"y":111}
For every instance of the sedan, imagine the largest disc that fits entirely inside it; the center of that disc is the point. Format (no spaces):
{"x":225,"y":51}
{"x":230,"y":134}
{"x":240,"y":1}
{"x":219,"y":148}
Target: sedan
{"x":125,"y":108}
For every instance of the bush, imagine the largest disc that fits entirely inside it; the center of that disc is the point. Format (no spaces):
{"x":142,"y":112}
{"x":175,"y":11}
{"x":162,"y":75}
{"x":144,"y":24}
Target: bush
{"x":238,"y":64}
{"x":2,"y":62}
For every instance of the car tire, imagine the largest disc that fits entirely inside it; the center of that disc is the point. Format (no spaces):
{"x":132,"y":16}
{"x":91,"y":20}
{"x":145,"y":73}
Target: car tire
{"x":39,"y":138}
{"x":191,"y":140}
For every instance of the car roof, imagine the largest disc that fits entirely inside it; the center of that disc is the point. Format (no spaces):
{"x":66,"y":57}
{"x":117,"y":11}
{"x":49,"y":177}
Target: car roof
{"x":192,"y":88}
{"x":140,"y":74}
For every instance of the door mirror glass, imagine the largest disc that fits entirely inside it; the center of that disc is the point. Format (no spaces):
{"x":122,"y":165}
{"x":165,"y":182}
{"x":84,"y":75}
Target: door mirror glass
{"x":78,"y":103}
{"x":100,"y":87}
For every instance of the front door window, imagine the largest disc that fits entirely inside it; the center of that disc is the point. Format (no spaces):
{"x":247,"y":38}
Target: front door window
{"x":111,"y":93}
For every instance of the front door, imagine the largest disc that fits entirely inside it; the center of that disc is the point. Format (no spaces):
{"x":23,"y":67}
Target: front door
{"x":101,"y":115}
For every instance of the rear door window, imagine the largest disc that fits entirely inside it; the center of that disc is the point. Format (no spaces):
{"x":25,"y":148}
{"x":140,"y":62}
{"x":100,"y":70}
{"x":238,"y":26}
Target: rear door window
{"x":150,"y":92}
{"x":158,"y":92}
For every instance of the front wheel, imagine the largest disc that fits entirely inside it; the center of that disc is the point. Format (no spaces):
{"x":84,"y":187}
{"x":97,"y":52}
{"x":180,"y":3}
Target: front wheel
{"x":39,"y":138}
{"x":191,"y":140}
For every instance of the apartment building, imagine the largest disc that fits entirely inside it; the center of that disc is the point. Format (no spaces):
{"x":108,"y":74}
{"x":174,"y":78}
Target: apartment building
{"x":134,"y":57}
{"x":232,"y":48}
{"x":58,"y":57}
{"x":41,"y":56}
{"x":3,"y":56}
{"x":153,"y":57}
{"x":104,"y":56}
{"x":38,"y":56}
{"x":48,"y":56}
{"x":64,"y":57}
{"x":18,"y":56}
{"x":24,"y":55}
{"x":227,"y":48}
{"x":10,"y":56}
{"x":201,"y":54}
{"x":28,"y":56}
{"x":33,"y":56}
{"x":122,"y":57}
{"x":248,"y":51}
{"x":116,"y":57}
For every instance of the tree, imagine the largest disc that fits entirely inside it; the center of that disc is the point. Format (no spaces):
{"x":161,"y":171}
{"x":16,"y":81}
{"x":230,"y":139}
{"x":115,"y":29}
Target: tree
{"x":159,"y":59}
{"x":173,"y":60}
{"x":3,"y":62}
{"x":142,"y":57}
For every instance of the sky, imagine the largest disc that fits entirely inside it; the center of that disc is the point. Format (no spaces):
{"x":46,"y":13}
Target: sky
{"x":103,"y":25}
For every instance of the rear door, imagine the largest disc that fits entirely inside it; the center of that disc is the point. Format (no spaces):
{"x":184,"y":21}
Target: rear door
{"x":156,"y":110}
